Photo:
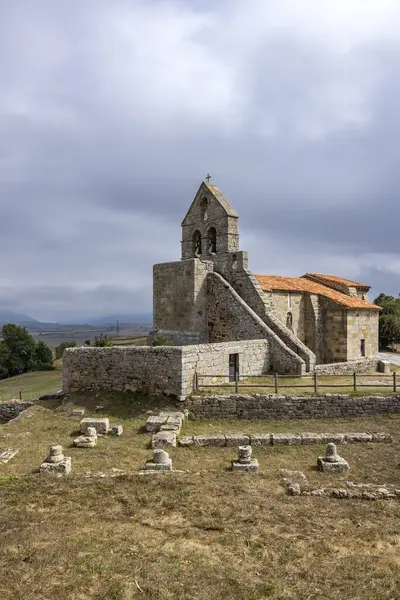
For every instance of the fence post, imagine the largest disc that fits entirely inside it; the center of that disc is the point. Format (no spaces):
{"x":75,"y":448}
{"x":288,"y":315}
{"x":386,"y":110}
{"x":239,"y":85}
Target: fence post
{"x":355,"y":381}
{"x":276,"y":383}
{"x":394,"y":381}
{"x":315,"y":382}
{"x":20,"y":395}
{"x":236,"y":382}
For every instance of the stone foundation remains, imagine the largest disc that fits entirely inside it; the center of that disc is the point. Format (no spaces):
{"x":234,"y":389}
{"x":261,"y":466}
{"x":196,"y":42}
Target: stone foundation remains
{"x":221,"y":440}
{"x":297,"y":484}
{"x":330,"y":406}
{"x":11,"y":410}
{"x":56,"y":463}
{"x":245,"y":462}
{"x":332,"y":462}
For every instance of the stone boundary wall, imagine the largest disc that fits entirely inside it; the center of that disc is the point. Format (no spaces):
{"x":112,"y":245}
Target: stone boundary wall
{"x":11,"y":410}
{"x":329,"y":406}
{"x":152,"y":370}
{"x":158,"y":370}
{"x":252,"y":326}
{"x":362,"y":366}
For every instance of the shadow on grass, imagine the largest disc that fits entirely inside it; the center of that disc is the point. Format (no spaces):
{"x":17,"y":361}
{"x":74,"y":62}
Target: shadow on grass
{"x":113,"y":404}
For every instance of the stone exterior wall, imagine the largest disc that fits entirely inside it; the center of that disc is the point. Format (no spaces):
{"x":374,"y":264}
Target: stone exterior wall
{"x":289,"y":302}
{"x":335,"y":333}
{"x":362,"y":366}
{"x":290,"y":407}
{"x":180,"y":299}
{"x":230,"y":318}
{"x":159,"y":370}
{"x":363,"y":324}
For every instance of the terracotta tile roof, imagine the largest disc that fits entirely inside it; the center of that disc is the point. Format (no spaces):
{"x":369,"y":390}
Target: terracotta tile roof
{"x":300,"y":284}
{"x":334,"y":279}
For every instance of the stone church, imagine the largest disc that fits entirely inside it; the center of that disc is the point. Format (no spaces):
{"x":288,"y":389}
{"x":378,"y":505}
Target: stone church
{"x":211,"y":296}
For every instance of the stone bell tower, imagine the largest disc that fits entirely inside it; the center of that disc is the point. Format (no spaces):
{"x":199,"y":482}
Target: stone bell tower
{"x":210,"y":227}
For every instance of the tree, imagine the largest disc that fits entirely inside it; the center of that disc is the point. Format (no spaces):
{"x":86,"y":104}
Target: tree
{"x":161,"y":339}
{"x":44,"y":357}
{"x":20,"y":353}
{"x":102,"y":341}
{"x":389,"y":320}
{"x":3,"y":360}
{"x":21,"y":348}
{"x":59,"y":350}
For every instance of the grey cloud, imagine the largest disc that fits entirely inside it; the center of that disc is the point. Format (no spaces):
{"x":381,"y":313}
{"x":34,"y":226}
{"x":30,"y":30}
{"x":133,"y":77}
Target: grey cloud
{"x":108,"y":122}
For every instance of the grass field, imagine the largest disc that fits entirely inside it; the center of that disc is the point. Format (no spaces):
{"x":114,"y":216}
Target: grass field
{"x":206,"y":532}
{"x":32,"y":385}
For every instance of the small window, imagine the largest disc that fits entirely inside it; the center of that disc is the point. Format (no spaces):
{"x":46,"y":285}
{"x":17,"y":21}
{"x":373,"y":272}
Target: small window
{"x":212,"y":240}
{"x":289,"y":300}
{"x":203,"y":208}
{"x":197,"y":243}
{"x":289,"y":321}
{"x":362,"y":347}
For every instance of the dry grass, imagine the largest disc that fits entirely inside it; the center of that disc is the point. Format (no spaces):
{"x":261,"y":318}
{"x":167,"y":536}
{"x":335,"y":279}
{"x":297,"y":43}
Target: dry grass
{"x":205,"y":532}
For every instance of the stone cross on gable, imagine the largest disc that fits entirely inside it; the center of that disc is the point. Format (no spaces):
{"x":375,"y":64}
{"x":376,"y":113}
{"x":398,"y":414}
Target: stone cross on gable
{"x":208,"y":177}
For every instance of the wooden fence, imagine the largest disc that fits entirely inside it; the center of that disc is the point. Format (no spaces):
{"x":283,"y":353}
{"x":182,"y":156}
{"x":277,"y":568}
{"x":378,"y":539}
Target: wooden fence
{"x":246,"y":381}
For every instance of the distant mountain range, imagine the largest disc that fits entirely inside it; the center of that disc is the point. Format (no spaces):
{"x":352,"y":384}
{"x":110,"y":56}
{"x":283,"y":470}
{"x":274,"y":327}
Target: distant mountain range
{"x":8,"y":316}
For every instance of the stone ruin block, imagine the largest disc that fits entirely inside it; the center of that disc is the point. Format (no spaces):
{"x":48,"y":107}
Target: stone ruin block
{"x":216,"y":440}
{"x":332,"y":462}
{"x":354,"y":438}
{"x":78,"y":412}
{"x":245,"y":462}
{"x":56,"y":462}
{"x":172,"y":424}
{"x":161,"y":461}
{"x":260,"y":439}
{"x":186,"y":440}
{"x":87,"y":441}
{"x":334,"y":438}
{"x":102,"y":426}
{"x":286,"y":439}
{"x":163,"y":438}
{"x":310,"y":438}
{"x":117,"y":430}
{"x":237,"y":439}
{"x":381,"y":437}
{"x":174,"y":413}
{"x":7,"y":455}
{"x":154,"y":423}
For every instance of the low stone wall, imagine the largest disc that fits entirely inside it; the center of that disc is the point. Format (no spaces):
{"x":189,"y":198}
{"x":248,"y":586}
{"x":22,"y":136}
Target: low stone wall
{"x":329,"y":406}
{"x":11,"y":410}
{"x":152,"y":370}
{"x":363,"y":365}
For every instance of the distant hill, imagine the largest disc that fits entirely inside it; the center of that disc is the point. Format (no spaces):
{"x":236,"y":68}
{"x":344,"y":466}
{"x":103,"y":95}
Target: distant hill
{"x":8,"y":316}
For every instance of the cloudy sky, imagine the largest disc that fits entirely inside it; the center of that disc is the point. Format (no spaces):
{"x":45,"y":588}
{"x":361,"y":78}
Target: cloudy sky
{"x":111,"y":114}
